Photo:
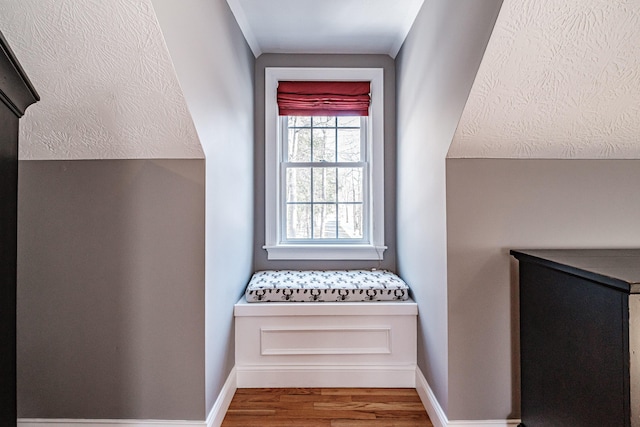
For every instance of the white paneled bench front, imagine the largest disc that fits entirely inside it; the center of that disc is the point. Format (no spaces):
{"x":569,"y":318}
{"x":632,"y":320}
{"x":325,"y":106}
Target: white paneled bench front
{"x":325,"y":342}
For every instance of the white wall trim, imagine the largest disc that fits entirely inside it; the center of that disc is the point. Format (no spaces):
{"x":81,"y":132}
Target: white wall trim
{"x":219,"y":410}
{"x":436,"y":413}
{"x":411,"y":11}
{"x":276,"y":249}
{"x":243,"y":23}
{"x":294,"y":376}
{"x":276,"y":341}
{"x":63,"y":422}
{"x":326,"y":376}
{"x":439,"y":417}
{"x":381,"y":309}
{"x":485,"y":423}
{"x":215,"y":418}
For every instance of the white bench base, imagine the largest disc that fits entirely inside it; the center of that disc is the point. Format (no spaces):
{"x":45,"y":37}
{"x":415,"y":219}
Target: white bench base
{"x":343,"y":344}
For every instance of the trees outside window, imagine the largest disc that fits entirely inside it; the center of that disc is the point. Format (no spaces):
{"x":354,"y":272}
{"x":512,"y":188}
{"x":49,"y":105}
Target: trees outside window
{"x":324,"y":173}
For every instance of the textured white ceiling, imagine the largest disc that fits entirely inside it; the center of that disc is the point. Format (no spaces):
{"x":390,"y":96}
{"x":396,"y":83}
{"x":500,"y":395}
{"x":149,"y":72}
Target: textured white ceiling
{"x":327,"y":26}
{"x":559,"y":79}
{"x":107,"y":85}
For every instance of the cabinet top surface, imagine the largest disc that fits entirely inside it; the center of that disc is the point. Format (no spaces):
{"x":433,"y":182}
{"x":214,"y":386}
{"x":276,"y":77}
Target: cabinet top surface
{"x":619,"y":268}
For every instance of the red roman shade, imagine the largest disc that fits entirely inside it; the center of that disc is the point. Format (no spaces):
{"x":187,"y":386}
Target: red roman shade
{"x":323,"y":98}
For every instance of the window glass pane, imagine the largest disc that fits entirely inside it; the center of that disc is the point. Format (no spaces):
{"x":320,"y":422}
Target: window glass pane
{"x":297,"y":121}
{"x":298,"y":185}
{"x":324,"y":184}
{"x":324,"y":221}
{"x":299,"y":145}
{"x":298,"y":221}
{"x":350,"y":184}
{"x":321,"y":121}
{"x":350,"y":221}
{"x":348,"y":145}
{"x":324,"y":145}
{"x":349,"y":121}
{"x":324,"y":203}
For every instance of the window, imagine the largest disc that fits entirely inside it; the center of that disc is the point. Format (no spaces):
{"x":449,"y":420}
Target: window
{"x":324,"y":168}
{"x":324,"y":174}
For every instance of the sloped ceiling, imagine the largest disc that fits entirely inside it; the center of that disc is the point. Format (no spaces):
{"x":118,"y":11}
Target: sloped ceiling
{"x":107,"y":85}
{"x":559,"y":79}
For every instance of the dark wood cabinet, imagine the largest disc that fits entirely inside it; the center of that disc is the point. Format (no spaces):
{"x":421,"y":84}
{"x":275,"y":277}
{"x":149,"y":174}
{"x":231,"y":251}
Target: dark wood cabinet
{"x":16,"y":94}
{"x":579,"y":343}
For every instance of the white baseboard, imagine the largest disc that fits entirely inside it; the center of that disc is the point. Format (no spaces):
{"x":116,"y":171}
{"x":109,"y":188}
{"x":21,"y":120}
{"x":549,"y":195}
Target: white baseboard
{"x":326,"y":376}
{"x":61,"y":422}
{"x":438,"y":416}
{"x":219,"y":410}
{"x":434,"y":410}
{"x":213,"y":420}
{"x":302,"y":376}
{"x":485,"y":423}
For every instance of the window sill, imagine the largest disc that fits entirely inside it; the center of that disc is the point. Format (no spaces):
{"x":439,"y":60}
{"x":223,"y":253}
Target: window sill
{"x":325,"y":252}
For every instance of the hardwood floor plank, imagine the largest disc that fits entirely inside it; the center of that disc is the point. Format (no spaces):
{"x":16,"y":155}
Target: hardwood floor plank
{"x":262,"y":422}
{"x":327,"y":407}
{"x":252,"y":412}
{"x":276,"y":406}
{"x":314,"y":414}
{"x":368,"y":406}
{"x":381,"y":423}
{"x":400,"y":414}
{"x":376,"y":398}
{"x":319,"y":398}
{"x":369,"y":391}
{"x":279,"y":391}
{"x":256,"y":398}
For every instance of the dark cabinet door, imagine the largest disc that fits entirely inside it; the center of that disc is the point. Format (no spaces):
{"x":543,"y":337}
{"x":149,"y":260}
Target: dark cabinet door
{"x":8,"y":221}
{"x":572,"y":351}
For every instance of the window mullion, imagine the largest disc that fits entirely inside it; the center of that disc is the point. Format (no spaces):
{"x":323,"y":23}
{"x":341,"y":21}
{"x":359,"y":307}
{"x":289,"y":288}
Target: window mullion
{"x":337,"y":180}
{"x":282,"y":197}
{"x":366,"y":181}
{"x":324,"y":164}
{"x":311,"y":190}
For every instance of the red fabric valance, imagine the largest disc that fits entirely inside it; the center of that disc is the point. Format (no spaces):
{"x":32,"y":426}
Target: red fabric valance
{"x":323,"y":98}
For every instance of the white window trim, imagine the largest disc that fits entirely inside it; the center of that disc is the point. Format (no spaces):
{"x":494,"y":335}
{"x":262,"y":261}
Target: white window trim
{"x":318,"y":251}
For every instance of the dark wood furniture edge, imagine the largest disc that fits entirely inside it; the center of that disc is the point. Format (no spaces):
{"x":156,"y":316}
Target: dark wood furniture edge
{"x":11,"y":72}
{"x":525,"y":255}
{"x":16,"y":94}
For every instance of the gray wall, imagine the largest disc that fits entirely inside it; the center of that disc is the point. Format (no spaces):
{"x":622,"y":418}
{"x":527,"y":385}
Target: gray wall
{"x":215,"y":69}
{"x":110,"y":295}
{"x":346,"y":61}
{"x":129,"y":269}
{"x":435,"y":69}
{"x":497,"y":205}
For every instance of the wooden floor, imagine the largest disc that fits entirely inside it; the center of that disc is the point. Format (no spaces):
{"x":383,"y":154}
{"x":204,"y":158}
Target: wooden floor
{"x":326,"y":407}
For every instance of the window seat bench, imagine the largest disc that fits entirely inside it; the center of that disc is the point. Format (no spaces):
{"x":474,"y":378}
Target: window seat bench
{"x":339,"y":343}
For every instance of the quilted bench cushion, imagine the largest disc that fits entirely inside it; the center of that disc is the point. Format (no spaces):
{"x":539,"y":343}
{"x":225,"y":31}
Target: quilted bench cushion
{"x":332,"y":285}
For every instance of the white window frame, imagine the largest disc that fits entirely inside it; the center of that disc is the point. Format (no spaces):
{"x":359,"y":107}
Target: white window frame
{"x":318,"y":250}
